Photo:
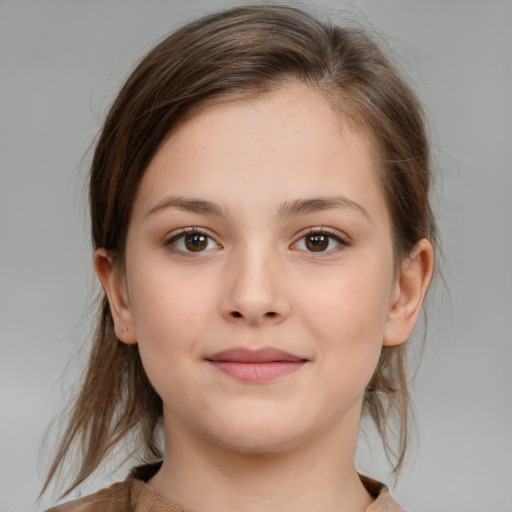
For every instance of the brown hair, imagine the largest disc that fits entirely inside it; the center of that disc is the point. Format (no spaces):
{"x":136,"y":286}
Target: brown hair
{"x":241,"y":53}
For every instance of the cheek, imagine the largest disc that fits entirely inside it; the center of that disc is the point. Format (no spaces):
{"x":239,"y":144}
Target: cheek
{"x":351,"y":308}
{"x":169,"y":327}
{"x":170,"y":313}
{"x":348,"y":316}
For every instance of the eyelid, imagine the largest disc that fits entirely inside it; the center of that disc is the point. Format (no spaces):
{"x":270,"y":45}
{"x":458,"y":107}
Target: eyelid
{"x":177,"y":234}
{"x":341,"y":238}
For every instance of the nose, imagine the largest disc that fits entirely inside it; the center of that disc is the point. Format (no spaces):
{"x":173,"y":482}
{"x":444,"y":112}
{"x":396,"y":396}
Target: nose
{"x":254,"y":291}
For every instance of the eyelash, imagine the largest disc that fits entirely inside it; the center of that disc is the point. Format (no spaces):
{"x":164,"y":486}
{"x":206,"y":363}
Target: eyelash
{"x":336,"y":237}
{"x":183,"y":232}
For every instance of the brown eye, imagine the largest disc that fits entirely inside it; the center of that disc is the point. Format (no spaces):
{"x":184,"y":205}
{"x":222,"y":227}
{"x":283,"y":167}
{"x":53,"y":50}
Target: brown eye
{"x":320,"y":241}
{"x":196,"y":242}
{"x":191,"y":241}
{"x":317,"y":242}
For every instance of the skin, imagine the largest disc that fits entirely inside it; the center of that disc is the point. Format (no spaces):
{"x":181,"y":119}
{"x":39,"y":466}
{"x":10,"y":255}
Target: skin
{"x":256,"y":283}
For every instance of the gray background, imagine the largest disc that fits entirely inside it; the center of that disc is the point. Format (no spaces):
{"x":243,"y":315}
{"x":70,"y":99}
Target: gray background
{"x":60,"y":65}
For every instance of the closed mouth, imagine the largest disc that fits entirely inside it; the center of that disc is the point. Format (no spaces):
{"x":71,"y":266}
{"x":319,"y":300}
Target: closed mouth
{"x":255,"y":366}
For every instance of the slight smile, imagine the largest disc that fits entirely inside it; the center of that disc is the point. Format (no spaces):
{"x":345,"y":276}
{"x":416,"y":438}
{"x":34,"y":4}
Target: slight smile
{"x":259,"y":365}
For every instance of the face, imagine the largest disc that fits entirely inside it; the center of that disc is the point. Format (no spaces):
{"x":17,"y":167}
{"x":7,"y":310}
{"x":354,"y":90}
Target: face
{"x":259,"y":279}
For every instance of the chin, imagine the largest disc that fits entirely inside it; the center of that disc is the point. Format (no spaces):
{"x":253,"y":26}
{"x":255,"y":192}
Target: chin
{"x":251,"y":434}
{"x":259,"y":444}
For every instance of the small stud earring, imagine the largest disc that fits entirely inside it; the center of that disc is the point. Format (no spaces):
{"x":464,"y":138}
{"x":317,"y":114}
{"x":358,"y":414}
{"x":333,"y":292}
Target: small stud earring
{"x":125,"y":328}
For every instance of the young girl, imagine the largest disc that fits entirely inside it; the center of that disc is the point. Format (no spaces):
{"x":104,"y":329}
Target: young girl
{"x":264,"y":239}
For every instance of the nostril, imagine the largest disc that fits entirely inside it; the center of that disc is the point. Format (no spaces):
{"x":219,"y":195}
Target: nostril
{"x":237,"y":314}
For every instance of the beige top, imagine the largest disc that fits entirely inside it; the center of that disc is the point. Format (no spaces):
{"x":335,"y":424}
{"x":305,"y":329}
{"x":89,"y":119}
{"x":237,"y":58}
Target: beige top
{"x":134,"y":495}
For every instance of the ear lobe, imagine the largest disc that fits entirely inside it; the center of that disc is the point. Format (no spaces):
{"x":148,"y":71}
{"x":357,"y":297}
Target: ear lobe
{"x":409,"y":292}
{"x":114,"y":284}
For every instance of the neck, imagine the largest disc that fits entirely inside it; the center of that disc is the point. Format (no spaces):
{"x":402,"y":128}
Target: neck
{"x":314,"y":476}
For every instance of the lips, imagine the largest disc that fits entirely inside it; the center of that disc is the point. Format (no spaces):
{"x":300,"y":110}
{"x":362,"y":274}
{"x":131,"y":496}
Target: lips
{"x":259,"y":365}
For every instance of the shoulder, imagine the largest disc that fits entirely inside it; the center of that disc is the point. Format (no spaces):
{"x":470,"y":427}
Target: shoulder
{"x":116,"y":498}
{"x":122,"y":496}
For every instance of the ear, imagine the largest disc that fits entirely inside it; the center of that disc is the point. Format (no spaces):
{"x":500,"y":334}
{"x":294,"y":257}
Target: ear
{"x":409,"y":292}
{"x":114,"y":283}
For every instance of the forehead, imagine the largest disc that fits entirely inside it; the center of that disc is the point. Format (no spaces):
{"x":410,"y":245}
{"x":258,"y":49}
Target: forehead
{"x":284,"y":144}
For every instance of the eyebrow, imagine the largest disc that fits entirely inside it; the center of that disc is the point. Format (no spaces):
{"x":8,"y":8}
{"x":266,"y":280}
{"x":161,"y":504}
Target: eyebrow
{"x":315,"y":204}
{"x":287,"y":209}
{"x":191,"y":204}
